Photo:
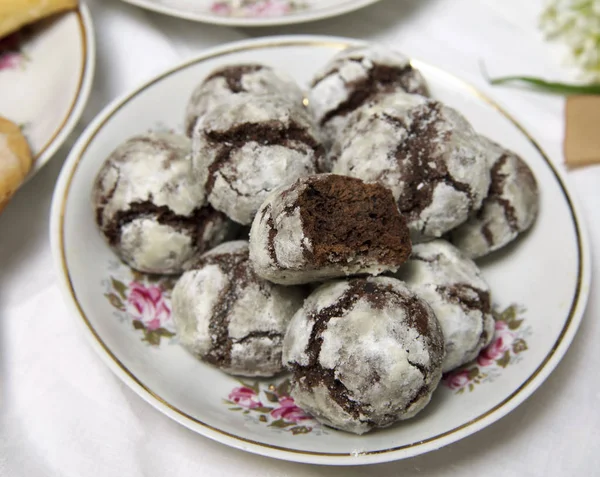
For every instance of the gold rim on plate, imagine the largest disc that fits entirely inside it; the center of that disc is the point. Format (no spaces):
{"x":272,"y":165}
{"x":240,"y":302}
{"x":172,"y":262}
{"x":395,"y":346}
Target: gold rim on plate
{"x":578,"y":297}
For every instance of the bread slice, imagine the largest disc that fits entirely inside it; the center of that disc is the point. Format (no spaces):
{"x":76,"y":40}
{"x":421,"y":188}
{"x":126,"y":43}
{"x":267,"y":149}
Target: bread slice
{"x":15,"y":160}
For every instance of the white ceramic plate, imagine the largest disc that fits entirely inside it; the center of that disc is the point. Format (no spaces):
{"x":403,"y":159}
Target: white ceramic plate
{"x":251,"y":13}
{"x":45,"y":80}
{"x":540,"y":285}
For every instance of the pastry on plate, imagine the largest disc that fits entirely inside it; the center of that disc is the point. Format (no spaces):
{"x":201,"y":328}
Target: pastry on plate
{"x":426,"y":153}
{"x":364,"y":353}
{"x":228,"y":316}
{"x":509,"y":209}
{"x":249,"y":146}
{"x":15,"y":14}
{"x":326,"y":226}
{"x":453,"y":285}
{"x":151,"y":206}
{"x":15,"y":160}
{"x":353,"y":77}
{"x":239,"y":80}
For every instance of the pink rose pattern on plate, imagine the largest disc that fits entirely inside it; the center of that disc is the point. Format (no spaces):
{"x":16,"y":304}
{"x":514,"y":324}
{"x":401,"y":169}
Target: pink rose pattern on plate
{"x":11,"y":54}
{"x":505,"y":349}
{"x":144,"y":301}
{"x":271,"y":404}
{"x":256,"y":8}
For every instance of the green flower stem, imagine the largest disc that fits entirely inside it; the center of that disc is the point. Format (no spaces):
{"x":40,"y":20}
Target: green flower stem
{"x":548,"y":86}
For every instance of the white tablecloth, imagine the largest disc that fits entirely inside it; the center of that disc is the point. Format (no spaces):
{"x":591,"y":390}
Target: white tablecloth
{"x":64,"y":414}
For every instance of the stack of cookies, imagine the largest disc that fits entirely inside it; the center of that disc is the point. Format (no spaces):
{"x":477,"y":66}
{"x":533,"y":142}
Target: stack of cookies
{"x":347,"y":277}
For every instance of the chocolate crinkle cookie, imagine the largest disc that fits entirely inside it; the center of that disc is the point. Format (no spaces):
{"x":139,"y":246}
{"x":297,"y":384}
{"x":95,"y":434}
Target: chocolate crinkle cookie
{"x":364,"y":353}
{"x":510,"y":207}
{"x":229,"y":317}
{"x":327,"y":226}
{"x":244,"y":149}
{"x":354,"y":76}
{"x":426,"y":153}
{"x":452,"y":284}
{"x":151,"y":206}
{"x":239,"y":80}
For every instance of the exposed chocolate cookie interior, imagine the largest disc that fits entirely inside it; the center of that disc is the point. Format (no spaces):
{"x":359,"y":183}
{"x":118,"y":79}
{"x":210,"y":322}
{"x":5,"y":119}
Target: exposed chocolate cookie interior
{"x":229,"y":317}
{"x":327,"y":226}
{"x":151,"y":206}
{"x":453,"y":285}
{"x":364,"y":353}
{"x":426,"y":153}
{"x":509,"y":209}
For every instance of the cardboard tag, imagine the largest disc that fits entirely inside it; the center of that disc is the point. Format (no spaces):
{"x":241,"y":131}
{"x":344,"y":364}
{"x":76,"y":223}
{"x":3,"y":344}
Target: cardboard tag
{"x":582,"y":135}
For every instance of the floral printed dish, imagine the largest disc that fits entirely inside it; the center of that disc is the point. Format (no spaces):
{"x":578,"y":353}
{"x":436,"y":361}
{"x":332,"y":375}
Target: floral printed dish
{"x":46,"y":72}
{"x":253,"y":12}
{"x":539,"y":284}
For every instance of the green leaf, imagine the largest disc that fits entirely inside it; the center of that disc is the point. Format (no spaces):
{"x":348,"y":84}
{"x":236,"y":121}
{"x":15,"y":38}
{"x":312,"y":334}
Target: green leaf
{"x":246,"y":412}
{"x":154,"y":278}
{"x":519,"y":345}
{"x":138,"y":325}
{"x":283,"y":389}
{"x":119,"y":286}
{"x":152,"y":338}
{"x":300,"y":430}
{"x":471,"y":387}
{"x":115,"y":301}
{"x":263,"y":409}
{"x":164,"y":332}
{"x":262,"y":418}
{"x":138,"y":276}
{"x":563,"y":89}
{"x":271,"y":397}
{"x":235,"y":408}
{"x":254,"y":386}
{"x":503,"y":362}
{"x":281,"y":423}
{"x":473,"y":373}
{"x":460,"y":391}
{"x":509,"y":314}
{"x":514,"y":324}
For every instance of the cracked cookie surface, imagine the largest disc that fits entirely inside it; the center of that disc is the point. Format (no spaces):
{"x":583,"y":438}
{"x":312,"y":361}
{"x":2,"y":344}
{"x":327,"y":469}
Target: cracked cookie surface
{"x":364,"y":353}
{"x":229,"y":317}
{"x":244,"y":149}
{"x":151,"y":207}
{"x":426,"y":153}
{"x":453,"y":285}
{"x":509,"y":209}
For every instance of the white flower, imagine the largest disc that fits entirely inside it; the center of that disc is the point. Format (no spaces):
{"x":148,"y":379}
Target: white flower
{"x":577,"y":24}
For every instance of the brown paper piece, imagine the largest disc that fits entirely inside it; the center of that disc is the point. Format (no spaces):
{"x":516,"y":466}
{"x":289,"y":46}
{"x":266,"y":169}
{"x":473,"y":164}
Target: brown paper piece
{"x":582,"y":135}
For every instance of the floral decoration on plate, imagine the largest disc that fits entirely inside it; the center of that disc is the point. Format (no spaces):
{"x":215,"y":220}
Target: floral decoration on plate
{"x":270,"y":404}
{"x":509,"y":342}
{"x":256,"y":8}
{"x":144,"y":301}
{"x":11,"y":52}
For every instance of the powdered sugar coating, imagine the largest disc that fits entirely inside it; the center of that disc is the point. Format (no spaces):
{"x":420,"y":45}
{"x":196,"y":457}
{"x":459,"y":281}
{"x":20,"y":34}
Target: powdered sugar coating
{"x":354,"y":76}
{"x":239,"y":79}
{"x":452,"y":284}
{"x":426,"y":153}
{"x":280,"y":249}
{"x":151,"y":206}
{"x":509,"y":209}
{"x":246,"y":148}
{"x":226,"y":315}
{"x":364,"y":353}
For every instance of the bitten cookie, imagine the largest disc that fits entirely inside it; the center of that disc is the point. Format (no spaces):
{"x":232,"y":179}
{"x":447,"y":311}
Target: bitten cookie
{"x":364,"y":353}
{"x":244,"y":149}
{"x":151,"y":206}
{"x":426,"y":153}
{"x":452,"y":284}
{"x":229,"y":317}
{"x":234,"y":80}
{"x":15,"y":160}
{"x":326,"y":226}
{"x":354,"y":76}
{"x":510,"y":207}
